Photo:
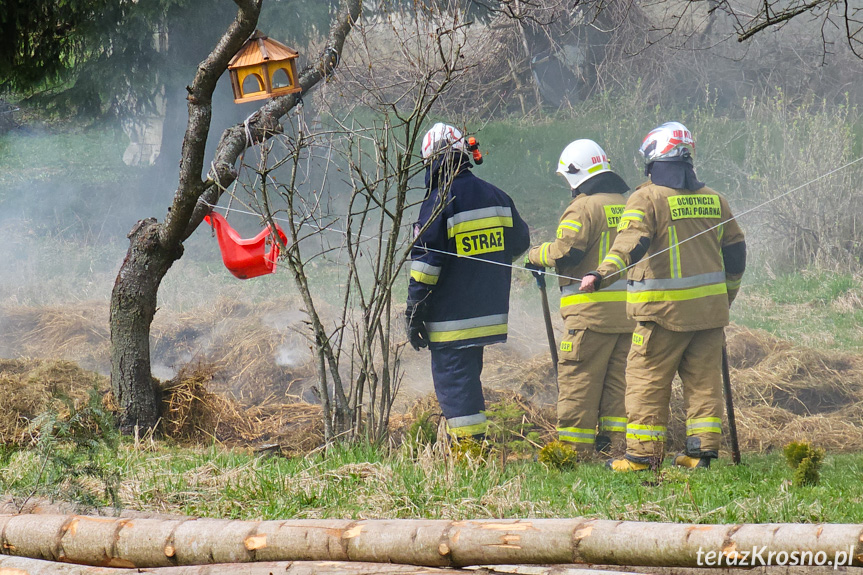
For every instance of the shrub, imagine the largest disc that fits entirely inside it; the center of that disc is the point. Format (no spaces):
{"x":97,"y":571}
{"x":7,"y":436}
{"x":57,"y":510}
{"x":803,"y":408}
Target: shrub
{"x":806,"y":461}
{"x":423,"y":431}
{"x":558,"y":455}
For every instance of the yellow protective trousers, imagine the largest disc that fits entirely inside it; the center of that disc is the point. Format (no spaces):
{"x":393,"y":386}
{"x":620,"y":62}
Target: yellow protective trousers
{"x":655,"y":356}
{"x":591,"y":386}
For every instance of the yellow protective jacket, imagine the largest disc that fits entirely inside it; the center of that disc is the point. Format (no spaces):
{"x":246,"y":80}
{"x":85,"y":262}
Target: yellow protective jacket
{"x":585,"y":233}
{"x":690,"y":283}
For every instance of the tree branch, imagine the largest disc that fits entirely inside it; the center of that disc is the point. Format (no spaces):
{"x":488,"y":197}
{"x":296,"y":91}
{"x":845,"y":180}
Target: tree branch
{"x":265,"y":122}
{"x":774,"y":19}
{"x":200,"y":113}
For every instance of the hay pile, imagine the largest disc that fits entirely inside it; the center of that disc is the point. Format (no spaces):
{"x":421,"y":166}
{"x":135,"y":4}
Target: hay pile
{"x":192,"y":413}
{"x":259,"y":350}
{"x":32,"y":387}
{"x":75,"y":333}
{"x":782,"y":393}
{"x":785,"y":393}
{"x":242,"y":374}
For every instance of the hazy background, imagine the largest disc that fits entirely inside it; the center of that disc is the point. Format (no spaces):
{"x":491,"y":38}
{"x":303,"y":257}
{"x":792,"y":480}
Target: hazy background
{"x":768,"y":115}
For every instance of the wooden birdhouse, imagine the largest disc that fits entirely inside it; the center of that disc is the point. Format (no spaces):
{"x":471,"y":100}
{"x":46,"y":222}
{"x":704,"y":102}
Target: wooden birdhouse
{"x":263,"y":68}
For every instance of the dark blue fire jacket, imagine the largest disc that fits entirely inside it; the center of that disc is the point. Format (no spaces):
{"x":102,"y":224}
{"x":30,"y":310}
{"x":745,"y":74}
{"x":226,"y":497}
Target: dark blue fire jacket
{"x":464,"y":300}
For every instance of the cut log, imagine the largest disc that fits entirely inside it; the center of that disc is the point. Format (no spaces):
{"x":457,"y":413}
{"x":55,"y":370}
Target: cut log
{"x":26,"y":566}
{"x":121,"y":542}
{"x":549,"y":570}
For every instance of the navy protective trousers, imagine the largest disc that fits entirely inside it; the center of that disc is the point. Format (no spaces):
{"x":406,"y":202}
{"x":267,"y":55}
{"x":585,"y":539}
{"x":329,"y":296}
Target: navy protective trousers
{"x":456,"y":374}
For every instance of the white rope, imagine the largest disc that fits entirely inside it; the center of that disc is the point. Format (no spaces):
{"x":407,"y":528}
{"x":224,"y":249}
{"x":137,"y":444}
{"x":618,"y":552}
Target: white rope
{"x":315,"y":227}
{"x":548,"y":273}
{"x":743,"y":213}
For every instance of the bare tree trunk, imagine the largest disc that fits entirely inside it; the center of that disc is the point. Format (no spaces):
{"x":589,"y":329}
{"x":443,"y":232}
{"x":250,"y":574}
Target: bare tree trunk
{"x":133,"y":305}
{"x":165,"y":543}
{"x":156,"y":246}
{"x":527,"y":55}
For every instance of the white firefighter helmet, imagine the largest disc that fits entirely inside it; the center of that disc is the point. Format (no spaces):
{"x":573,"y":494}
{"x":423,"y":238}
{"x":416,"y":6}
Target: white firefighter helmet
{"x":580,"y":161}
{"x":670,"y":141}
{"x":441,"y":137}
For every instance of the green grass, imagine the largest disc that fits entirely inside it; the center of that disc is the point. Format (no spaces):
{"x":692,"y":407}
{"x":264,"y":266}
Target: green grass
{"x":813,"y":308}
{"x":368,"y":482}
{"x":92,"y":157}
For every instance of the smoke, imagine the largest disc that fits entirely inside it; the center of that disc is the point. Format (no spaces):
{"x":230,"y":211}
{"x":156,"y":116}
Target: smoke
{"x":67,"y":199}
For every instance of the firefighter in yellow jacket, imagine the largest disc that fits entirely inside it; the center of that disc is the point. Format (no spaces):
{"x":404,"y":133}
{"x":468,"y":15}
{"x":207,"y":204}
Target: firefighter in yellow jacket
{"x":679,"y":294}
{"x":592,"y":357}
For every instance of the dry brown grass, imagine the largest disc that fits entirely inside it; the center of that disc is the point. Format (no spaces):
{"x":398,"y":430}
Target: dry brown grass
{"x":31,"y":387}
{"x":246,"y":373}
{"x":192,"y":413}
{"x":784,"y":393}
{"x":75,"y":333}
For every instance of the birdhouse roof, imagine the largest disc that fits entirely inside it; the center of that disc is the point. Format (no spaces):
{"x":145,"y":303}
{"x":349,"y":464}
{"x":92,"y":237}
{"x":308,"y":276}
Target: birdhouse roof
{"x":259,"y":49}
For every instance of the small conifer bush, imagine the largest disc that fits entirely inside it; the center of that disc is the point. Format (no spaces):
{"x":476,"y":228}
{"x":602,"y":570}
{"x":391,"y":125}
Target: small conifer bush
{"x":558,"y":455}
{"x":806,"y":462}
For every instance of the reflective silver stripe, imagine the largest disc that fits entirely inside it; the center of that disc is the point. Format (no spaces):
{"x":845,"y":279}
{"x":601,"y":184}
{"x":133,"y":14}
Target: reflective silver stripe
{"x":466,"y":420}
{"x":572,"y":289}
{"x":677,"y":283}
{"x":639,"y":430}
{"x":479,"y":214}
{"x":703,"y":424}
{"x":457,"y":324}
{"x":590,"y":436}
{"x":612,"y":423}
{"x":425,"y":268}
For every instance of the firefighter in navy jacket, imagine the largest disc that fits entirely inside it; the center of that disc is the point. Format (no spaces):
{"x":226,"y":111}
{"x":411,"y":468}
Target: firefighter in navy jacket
{"x":457,"y":302}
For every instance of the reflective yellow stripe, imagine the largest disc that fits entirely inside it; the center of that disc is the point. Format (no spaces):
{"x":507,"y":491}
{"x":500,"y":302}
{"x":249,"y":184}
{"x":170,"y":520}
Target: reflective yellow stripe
{"x":598,"y":296}
{"x":720,"y":231}
{"x":424,"y":277}
{"x":645,"y":432}
{"x":703,"y":425}
{"x":632,"y":215}
{"x":614,"y":259}
{"x":469,"y":333}
{"x":643,"y":437}
{"x":468,"y":430}
{"x":733,"y":284}
{"x":571,"y":224}
{"x":480,"y":224}
{"x":576,"y":435}
{"x":640,"y":427}
{"x":676,"y":295}
{"x":674,"y":252}
{"x":543,"y":254}
{"x":612,"y":424}
{"x":603,"y":245}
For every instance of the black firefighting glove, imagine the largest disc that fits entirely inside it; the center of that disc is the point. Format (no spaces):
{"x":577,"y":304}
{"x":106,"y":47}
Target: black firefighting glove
{"x":415,"y":323}
{"x":538,"y":271}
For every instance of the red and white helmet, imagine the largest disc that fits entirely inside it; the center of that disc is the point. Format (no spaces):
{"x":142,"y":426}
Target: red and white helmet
{"x":670,"y":141}
{"x":440,"y":138}
{"x":580,"y":161}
